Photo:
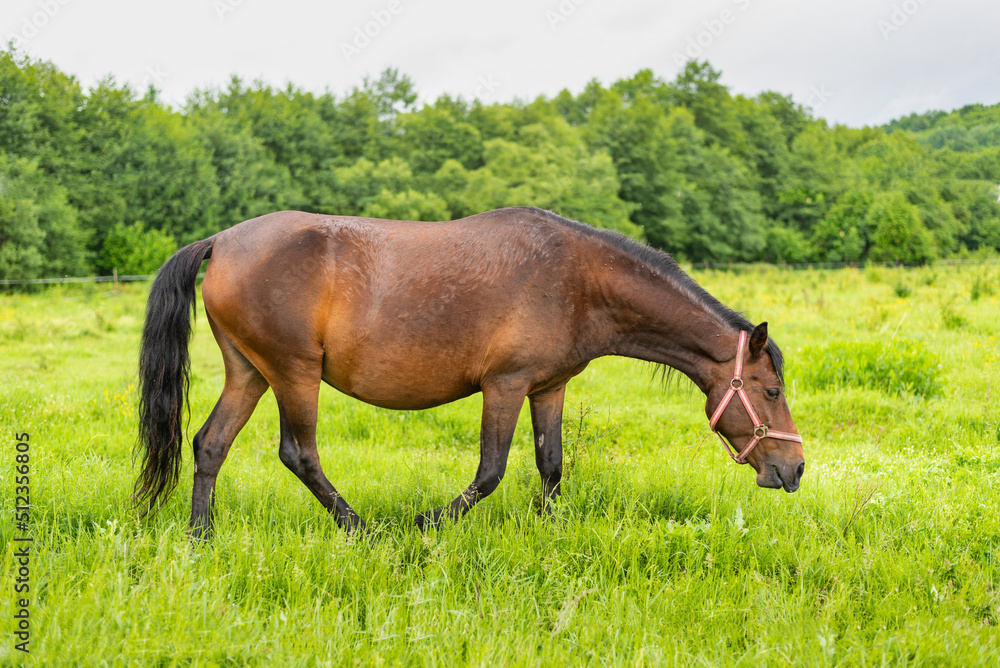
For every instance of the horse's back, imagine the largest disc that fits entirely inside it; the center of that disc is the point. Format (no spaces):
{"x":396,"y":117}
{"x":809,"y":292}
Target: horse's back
{"x":402,"y":314}
{"x":365,"y":261}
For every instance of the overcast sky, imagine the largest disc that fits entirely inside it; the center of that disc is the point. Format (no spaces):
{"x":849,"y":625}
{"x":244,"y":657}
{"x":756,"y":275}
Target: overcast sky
{"x":853,"y":61}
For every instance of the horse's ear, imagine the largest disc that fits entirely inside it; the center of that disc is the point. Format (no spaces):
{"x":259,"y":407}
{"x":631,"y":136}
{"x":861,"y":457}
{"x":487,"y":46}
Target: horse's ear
{"x":758,"y":339}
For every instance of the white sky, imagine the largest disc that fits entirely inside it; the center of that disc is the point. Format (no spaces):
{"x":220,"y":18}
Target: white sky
{"x":854,"y":61}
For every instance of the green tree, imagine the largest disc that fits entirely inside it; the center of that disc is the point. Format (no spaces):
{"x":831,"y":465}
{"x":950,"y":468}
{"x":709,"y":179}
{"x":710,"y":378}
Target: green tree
{"x":359,"y":184}
{"x":785,"y":245}
{"x":697,"y":89}
{"x":167,"y":176}
{"x":39,"y":112}
{"x":40,"y":236}
{"x":637,"y":137}
{"x":766,"y":125}
{"x":551,"y":169}
{"x":94,"y":182}
{"x":898,"y":234}
{"x":407,"y":205}
{"x":393,"y":93}
{"x":436,"y":133}
{"x":975,"y":205}
{"x":251,"y":183}
{"x":133,"y":250}
{"x":305,"y":134}
{"x":685,"y":164}
{"x":719,"y":218}
{"x":818,"y":172}
{"x":843,"y":234}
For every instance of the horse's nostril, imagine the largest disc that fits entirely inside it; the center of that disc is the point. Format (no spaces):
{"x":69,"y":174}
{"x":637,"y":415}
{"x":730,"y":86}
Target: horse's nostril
{"x":800,"y":470}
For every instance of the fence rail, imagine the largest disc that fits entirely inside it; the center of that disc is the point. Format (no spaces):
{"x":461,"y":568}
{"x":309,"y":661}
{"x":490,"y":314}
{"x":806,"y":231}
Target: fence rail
{"x":83,"y":279}
{"x":838,"y":265}
{"x":694,"y":265}
{"x":74,"y":279}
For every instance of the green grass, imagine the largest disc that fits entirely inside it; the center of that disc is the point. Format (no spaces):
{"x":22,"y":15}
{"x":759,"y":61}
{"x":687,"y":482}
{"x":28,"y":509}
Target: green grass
{"x":665,"y":552}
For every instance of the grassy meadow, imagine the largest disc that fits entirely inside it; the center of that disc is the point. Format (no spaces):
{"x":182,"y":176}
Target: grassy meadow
{"x":665,"y":552}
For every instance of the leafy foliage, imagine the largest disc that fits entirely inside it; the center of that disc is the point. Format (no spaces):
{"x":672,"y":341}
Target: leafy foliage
{"x":684,"y":165}
{"x":898,"y":233}
{"x":39,"y":231}
{"x":899,"y":366}
{"x":134,"y":250}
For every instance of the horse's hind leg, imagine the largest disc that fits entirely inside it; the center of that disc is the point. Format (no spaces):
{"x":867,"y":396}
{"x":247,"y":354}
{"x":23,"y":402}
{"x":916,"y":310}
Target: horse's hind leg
{"x":298,"y":410}
{"x":546,"y":423}
{"x":243,"y":389}
{"x":501,"y":407}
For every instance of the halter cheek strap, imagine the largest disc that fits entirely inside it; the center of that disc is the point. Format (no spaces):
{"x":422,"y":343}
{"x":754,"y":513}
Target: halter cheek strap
{"x":760,"y":430}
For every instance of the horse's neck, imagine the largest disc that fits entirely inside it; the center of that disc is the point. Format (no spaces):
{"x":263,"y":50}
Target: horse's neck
{"x":653,"y":319}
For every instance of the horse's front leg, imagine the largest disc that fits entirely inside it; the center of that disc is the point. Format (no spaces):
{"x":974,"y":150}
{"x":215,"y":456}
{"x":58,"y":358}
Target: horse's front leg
{"x":546,"y":423}
{"x":501,"y":406}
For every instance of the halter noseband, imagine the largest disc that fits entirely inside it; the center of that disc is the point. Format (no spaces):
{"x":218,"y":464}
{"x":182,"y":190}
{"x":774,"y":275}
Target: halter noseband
{"x":760,"y":430}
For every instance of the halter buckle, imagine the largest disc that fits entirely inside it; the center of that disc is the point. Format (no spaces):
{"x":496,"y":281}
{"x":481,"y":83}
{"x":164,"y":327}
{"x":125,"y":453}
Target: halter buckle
{"x":761,"y":431}
{"x":733,"y":384}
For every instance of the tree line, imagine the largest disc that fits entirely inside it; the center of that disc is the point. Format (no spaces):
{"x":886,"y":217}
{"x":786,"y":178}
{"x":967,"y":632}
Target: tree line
{"x":110,"y":178}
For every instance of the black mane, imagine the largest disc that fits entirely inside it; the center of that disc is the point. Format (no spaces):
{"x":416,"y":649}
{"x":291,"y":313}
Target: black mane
{"x":664,"y":264}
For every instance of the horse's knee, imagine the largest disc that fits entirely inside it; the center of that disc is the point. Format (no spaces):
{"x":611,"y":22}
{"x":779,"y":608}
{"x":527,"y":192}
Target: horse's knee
{"x":549,"y":463}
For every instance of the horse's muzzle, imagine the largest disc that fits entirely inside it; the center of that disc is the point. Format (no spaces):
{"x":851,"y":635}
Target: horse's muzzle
{"x":780,"y":475}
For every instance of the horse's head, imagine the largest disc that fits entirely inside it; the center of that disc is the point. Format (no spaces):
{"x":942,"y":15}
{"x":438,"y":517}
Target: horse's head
{"x":746,"y":405}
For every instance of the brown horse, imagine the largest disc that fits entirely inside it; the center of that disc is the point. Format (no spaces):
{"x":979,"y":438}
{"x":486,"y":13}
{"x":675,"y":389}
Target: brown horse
{"x":408,"y":315}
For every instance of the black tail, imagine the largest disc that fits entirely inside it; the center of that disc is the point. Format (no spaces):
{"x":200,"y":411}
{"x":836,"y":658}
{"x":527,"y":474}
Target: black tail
{"x":164,"y":368}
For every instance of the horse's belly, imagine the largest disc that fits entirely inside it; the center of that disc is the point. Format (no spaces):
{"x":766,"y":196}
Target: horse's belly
{"x":404,"y":378}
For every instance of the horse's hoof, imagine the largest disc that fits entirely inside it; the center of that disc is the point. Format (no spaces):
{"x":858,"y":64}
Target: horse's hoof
{"x":428,"y":519}
{"x":559,"y":521}
{"x":200,"y":534}
{"x":356,"y":528}
{"x":553,"y":511}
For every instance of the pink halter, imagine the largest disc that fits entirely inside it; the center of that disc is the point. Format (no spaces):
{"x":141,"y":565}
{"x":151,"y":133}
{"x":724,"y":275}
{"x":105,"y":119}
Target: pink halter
{"x":760,"y":430}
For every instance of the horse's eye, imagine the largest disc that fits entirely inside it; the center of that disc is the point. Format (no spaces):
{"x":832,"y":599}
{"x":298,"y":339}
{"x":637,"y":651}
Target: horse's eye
{"x":772,"y":392}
